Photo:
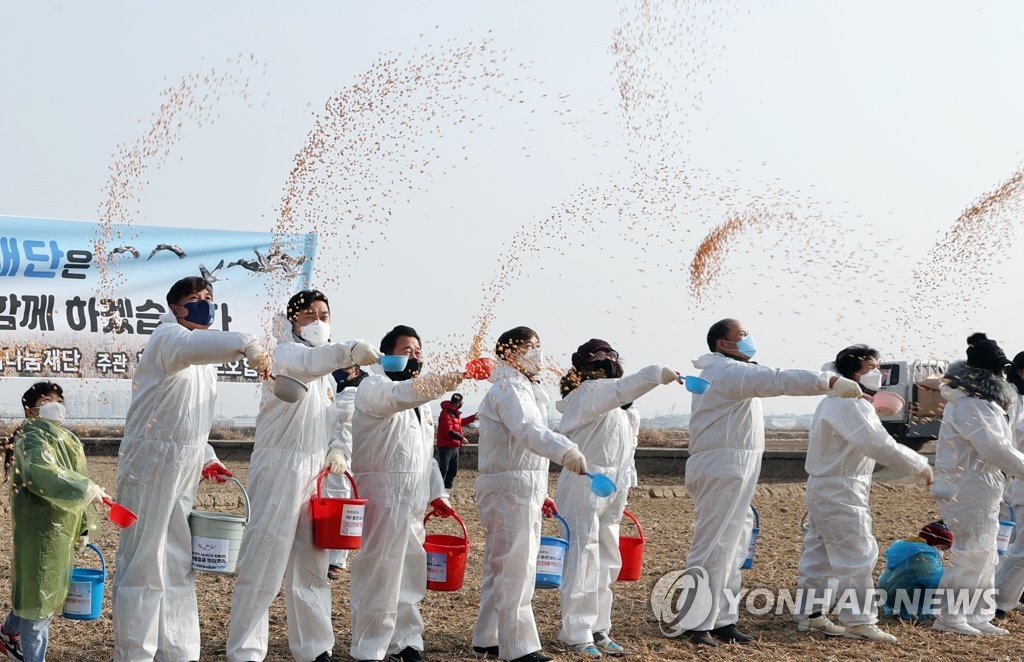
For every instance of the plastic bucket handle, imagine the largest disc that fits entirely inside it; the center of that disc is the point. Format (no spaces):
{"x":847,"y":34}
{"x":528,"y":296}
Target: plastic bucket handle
{"x":320,"y":483}
{"x":757,"y":518}
{"x":103,"y":560}
{"x":245,"y":496}
{"x":1009,"y":507}
{"x":465,"y":532}
{"x":639,"y":528}
{"x":565,"y":525}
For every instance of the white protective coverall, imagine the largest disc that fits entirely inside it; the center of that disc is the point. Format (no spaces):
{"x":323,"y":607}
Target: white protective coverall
{"x":290,"y":450}
{"x":515,"y":445}
{"x":1010,"y":571}
{"x":846,"y":439}
{"x":395,"y":471}
{"x":158,"y":470}
{"x":726,"y":444}
{"x":338,"y":487}
{"x":973,"y":450}
{"x":634,"y":424}
{"x":593,"y":418}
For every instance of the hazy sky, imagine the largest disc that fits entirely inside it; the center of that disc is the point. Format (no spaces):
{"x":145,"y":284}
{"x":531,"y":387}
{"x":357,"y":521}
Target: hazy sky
{"x":875,"y":124}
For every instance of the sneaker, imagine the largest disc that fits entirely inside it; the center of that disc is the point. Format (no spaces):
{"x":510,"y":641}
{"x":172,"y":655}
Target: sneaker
{"x":333,"y":571}
{"x":607,"y":645}
{"x":536,"y":656}
{"x":587,"y":651}
{"x":956,"y":628}
{"x":870,"y":632}
{"x":730,"y":634}
{"x":323,"y":657}
{"x":701,"y":638}
{"x":485,"y":652}
{"x":10,"y":645}
{"x":988,"y":628}
{"x":821,"y":625}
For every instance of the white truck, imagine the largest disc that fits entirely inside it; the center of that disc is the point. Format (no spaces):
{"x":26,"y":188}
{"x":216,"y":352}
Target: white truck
{"x":917,"y":382}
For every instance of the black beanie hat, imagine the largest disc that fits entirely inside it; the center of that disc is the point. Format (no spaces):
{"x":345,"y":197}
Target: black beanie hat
{"x":985,"y":353}
{"x":579,"y":357}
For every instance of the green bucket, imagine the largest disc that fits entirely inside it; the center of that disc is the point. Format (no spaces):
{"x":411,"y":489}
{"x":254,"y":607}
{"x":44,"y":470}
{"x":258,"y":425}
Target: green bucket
{"x":217,"y":537}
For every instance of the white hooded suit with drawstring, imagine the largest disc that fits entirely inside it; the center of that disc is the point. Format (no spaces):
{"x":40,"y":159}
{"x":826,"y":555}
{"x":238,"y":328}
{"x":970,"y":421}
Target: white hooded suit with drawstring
{"x":974,"y":448}
{"x":593,"y":418}
{"x":846,"y":439}
{"x":158,"y":470}
{"x":394,"y":468}
{"x":515,"y":446}
{"x":726,"y":444}
{"x":1010,"y":571}
{"x":289,"y":452}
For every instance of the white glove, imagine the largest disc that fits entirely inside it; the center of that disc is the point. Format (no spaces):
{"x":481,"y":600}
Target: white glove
{"x":82,"y":541}
{"x":846,"y":388}
{"x":336,"y":462}
{"x":668,"y":375}
{"x":259,"y":359}
{"x":363,"y":353}
{"x":96,"y":494}
{"x":574,"y":461}
{"x":927,"y":475}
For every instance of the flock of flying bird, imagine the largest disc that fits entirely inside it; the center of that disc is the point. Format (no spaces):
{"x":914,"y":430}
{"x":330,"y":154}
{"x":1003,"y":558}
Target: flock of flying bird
{"x":276,"y":260}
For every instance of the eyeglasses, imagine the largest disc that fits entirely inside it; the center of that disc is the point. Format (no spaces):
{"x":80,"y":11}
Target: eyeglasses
{"x":602,"y":355}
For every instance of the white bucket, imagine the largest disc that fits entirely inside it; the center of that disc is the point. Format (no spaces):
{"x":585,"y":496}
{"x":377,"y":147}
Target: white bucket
{"x":217,"y":537}
{"x":1005,"y":531}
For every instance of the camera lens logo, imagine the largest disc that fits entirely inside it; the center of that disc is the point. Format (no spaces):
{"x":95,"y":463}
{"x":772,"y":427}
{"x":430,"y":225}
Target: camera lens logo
{"x":681,"y":600}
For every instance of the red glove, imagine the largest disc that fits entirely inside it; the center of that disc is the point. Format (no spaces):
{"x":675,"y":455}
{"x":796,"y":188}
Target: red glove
{"x":214,"y":470}
{"x":549,"y":508}
{"x":442,"y":508}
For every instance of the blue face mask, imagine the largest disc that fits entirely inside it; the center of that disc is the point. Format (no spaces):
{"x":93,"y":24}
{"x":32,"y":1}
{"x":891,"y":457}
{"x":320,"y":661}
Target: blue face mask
{"x":200,"y":312}
{"x":747,"y":346}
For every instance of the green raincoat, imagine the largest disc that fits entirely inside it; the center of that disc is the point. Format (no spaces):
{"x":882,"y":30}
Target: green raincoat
{"x":51,"y":506}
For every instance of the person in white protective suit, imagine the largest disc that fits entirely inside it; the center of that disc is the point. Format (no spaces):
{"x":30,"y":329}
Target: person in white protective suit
{"x":338,"y":487}
{"x":162,"y":456}
{"x":975,"y":446}
{"x":291,"y":449}
{"x":1010,"y":571}
{"x":596,"y":400}
{"x":726,"y":443}
{"x":846,"y":439}
{"x":394,"y":467}
{"x":515,"y":446}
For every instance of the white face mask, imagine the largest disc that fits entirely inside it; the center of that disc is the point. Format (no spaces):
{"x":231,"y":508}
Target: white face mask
{"x":532,"y":361}
{"x":316,"y":333}
{"x":53,"y":411}
{"x":872,"y":379}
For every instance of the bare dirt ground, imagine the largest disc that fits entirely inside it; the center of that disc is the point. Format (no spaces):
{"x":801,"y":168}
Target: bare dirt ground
{"x":899,"y":510}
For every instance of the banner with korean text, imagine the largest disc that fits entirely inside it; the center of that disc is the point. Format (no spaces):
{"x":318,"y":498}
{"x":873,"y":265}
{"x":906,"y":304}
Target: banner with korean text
{"x":77,"y":300}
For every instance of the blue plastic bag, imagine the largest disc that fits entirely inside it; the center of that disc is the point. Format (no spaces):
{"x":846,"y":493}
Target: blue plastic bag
{"x":911,"y":569}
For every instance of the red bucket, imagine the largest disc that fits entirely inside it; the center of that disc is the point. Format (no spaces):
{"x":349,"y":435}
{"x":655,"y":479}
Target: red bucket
{"x":446,"y":558}
{"x":337,"y":523}
{"x":632,"y":551}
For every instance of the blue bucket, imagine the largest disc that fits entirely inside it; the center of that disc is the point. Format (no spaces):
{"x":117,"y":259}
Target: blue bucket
{"x":551,"y":558}
{"x":85,"y":595}
{"x":1005,"y":530}
{"x":754,"y":533}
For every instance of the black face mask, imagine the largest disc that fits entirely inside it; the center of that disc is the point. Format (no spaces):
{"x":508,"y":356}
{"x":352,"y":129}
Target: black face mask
{"x":344,"y":381}
{"x":611,"y":369}
{"x":412,"y":369}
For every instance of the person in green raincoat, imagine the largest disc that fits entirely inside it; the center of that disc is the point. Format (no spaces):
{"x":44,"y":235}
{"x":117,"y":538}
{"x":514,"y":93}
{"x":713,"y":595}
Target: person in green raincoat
{"x":51,"y":505}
